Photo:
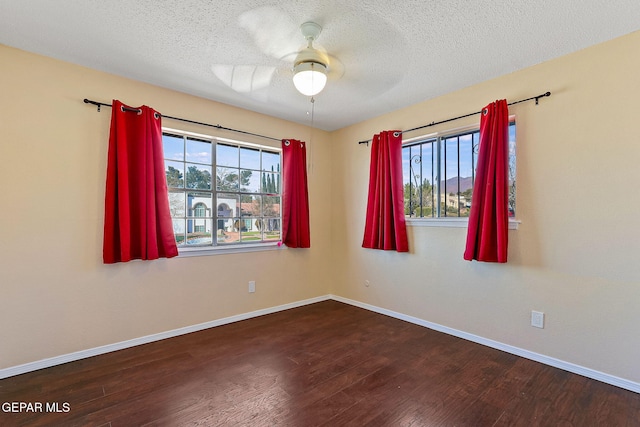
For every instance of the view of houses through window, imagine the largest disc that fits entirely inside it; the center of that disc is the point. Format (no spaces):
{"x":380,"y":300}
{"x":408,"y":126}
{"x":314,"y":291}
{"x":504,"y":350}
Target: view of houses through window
{"x":242,"y":204}
{"x":439,"y":173}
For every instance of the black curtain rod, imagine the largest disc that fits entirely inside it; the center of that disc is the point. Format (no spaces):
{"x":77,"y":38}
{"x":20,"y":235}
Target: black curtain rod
{"x":466,"y":115}
{"x":101,"y":104}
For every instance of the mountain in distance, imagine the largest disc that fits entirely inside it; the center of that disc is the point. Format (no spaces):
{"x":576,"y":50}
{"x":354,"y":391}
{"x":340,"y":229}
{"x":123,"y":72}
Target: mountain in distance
{"x":452,"y":184}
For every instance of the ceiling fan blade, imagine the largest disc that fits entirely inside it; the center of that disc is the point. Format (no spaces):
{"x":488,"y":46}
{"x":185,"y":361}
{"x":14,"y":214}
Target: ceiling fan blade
{"x":272,"y":30}
{"x":244,"y":78}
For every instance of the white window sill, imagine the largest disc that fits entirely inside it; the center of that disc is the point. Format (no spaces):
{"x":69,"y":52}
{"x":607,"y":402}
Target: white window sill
{"x":235,"y":249}
{"x":450,"y":222}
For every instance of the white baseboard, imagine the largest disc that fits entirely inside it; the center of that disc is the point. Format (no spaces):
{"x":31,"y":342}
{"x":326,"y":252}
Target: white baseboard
{"x":570,"y":367}
{"x":83,"y":354}
{"x":556,"y":363}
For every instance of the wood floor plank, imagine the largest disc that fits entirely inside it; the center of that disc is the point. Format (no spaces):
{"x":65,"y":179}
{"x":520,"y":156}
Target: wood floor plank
{"x":325,"y":364}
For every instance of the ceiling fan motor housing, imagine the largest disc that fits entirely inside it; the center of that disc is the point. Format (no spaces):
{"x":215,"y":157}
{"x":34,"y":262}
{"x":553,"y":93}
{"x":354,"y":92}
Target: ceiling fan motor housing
{"x":311,"y":31}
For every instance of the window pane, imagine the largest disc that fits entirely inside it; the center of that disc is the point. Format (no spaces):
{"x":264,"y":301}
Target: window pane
{"x":406,"y":166}
{"x":270,"y":161}
{"x":406,"y":180}
{"x":449,"y":190}
{"x":427,"y":191}
{"x":417,"y":185}
{"x":198,"y":176}
{"x":512,"y":170}
{"x":199,"y":204}
{"x":476,"y":150}
{"x":199,"y":232}
{"x":176,"y":203}
{"x":251,"y":206}
{"x":178,"y":231}
{"x":227,"y":231}
{"x":226,"y":179}
{"x":227,"y":205}
{"x":251,"y":230}
{"x":271,"y":206}
{"x":249,"y":181}
{"x":227,"y":155}
{"x":466,"y":160}
{"x":466,"y":173}
{"x":451,"y":165}
{"x":412,"y":178}
{"x":175,"y":173}
{"x":198,"y":151}
{"x":249,"y":158}
{"x":270,"y":183}
{"x":271,"y":231}
{"x":173,"y":147}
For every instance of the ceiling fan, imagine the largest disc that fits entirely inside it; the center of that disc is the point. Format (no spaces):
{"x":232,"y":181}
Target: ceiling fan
{"x":309,"y":67}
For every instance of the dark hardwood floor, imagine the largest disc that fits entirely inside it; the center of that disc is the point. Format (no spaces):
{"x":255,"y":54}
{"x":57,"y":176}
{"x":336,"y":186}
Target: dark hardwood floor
{"x":325,"y":364}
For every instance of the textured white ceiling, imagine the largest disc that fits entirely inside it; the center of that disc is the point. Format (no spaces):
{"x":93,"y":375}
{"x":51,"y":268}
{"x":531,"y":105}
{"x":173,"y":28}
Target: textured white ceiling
{"x":389,"y":54}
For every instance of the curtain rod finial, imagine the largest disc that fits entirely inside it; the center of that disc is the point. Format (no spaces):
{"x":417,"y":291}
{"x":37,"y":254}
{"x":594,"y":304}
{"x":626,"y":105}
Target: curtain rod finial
{"x":537,"y":98}
{"x":97,"y":104}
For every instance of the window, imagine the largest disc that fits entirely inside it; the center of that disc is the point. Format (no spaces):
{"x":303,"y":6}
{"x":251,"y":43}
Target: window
{"x":439,"y":173}
{"x":200,"y":211}
{"x":221,"y":192}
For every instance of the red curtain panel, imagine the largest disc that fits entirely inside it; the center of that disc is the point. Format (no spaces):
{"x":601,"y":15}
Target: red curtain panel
{"x":385,"y":226}
{"x":295,"y":195}
{"x":137,"y":220}
{"x":487,"y":235}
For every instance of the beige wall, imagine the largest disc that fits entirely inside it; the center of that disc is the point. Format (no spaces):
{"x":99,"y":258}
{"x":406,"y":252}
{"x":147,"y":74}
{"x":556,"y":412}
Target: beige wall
{"x":56,"y":295}
{"x":576,"y":255}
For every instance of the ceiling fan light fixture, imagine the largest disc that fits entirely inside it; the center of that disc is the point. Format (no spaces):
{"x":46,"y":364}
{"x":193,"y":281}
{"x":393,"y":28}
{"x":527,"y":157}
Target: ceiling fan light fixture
{"x":309,"y":77}
{"x":311,"y":65}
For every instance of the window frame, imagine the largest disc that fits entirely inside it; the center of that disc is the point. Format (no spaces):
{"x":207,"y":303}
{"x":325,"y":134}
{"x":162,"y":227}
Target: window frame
{"x":449,"y":221}
{"x":211,"y":213}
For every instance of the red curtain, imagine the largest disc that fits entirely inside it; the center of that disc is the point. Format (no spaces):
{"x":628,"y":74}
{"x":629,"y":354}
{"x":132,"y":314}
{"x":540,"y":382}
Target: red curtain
{"x":137,"y":220}
{"x":487,"y":235}
{"x":295,"y":196}
{"x":385,"y":226}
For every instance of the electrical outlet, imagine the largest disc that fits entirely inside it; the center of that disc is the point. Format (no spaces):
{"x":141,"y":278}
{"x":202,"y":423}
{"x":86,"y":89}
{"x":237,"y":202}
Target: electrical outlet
{"x":252,"y":286}
{"x":537,"y":319}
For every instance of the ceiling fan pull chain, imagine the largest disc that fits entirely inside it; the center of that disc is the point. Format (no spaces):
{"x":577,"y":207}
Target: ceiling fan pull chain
{"x":309,"y":145}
